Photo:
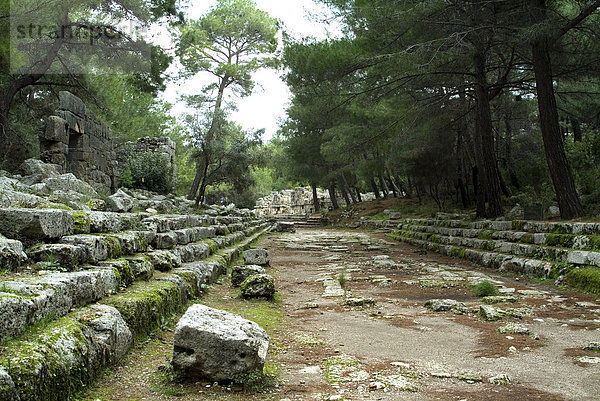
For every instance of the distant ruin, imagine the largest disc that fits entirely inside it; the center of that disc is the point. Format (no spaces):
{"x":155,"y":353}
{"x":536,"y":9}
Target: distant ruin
{"x":298,"y":201}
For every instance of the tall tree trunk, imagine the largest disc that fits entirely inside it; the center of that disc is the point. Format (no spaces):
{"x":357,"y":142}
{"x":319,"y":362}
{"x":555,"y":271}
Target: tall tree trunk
{"x":316,"y":204}
{"x":358,"y":196}
{"x":202,"y":169}
{"x":331,"y":189}
{"x":560,"y":171}
{"x":374,"y":187}
{"x":510,"y":164}
{"x":484,"y":130}
{"x":348,"y":189}
{"x":344,"y":192}
{"x":576,"y":125}
{"x":196,"y":182}
{"x":384,"y":187}
{"x":393,"y":185}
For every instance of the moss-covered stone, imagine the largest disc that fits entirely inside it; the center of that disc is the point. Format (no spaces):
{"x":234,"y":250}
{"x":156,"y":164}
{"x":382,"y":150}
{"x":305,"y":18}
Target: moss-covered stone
{"x":527,"y":238}
{"x":564,"y":240}
{"x":146,"y":305}
{"x":82,"y":222}
{"x":585,"y":279}
{"x":49,"y":362}
{"x":113,"y":246}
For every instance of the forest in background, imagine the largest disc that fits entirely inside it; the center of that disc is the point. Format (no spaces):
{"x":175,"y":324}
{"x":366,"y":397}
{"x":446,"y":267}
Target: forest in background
{"x":475,"y":105}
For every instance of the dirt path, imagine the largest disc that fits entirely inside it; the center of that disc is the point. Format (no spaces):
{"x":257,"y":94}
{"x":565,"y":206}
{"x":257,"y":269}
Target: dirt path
{"x":373,"y":339}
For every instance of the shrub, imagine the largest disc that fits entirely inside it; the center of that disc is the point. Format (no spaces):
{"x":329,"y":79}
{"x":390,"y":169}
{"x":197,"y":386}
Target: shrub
{"x":483,"y":289}
{"x":150,"y":171}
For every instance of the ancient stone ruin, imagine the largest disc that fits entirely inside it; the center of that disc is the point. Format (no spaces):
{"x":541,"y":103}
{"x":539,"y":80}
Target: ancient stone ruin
{"x":298,"y":201}
{"x":75,"y":140}
{"x":93,"y":275}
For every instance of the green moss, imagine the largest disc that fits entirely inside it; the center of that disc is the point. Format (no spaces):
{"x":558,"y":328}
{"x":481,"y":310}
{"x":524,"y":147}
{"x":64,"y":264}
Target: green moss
{"x":485,"y":234}
{"x":191,"y":282}
{"x":563,"y":240}
{"x":585,"y":279}
{"x":561,"y":229}
{"x":527,"y":238}
{"x":123,"y":271}
{"x":212,"y":245}
{"x":145,"y":306}
{"x":517,"y":225}
{"x":113,"y":246}
{"x":462,"y":252}
{"x":50,"y":361}
{"x":82,"y":222}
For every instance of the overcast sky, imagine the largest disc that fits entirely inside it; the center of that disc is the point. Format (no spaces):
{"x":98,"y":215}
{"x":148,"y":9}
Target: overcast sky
{"x":267,"y":104}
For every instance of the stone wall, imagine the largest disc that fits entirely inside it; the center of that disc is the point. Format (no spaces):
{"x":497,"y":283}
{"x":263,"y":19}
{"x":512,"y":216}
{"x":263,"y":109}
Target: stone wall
{"x":76,"y":140}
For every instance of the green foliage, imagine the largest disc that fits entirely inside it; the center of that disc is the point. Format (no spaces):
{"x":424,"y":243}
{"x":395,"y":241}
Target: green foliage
{"x":150,"y":171}
{"x":483,"y":289}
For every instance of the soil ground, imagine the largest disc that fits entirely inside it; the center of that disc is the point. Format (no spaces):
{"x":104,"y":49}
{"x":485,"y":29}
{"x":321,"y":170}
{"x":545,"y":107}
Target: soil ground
{"x":387,"y":345}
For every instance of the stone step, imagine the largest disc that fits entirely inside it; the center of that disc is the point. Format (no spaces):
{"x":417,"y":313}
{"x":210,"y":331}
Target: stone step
{"x":578,"y":228}
{"x":75,"y":250}
{"x":544,"y":250}
{"x":60,"y":356}
{"x":23,"y":302}
{"x":493,"y":260}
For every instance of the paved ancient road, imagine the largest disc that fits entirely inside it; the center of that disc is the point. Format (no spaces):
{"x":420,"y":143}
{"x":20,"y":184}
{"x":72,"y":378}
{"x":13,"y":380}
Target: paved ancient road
{"x":337,"y":345}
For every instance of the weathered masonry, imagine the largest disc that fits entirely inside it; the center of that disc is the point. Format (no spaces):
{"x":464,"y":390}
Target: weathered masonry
{"x":77,"y":141}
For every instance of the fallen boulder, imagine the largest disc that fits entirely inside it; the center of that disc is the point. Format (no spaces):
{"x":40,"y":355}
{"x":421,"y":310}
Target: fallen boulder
{"x":217,"y":346}
{"x":258,"y":286}
{"x":120,"y":202}
{"x":240,"y":273}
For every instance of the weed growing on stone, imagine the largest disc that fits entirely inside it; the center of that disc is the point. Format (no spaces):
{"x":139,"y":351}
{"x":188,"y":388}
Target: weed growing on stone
{"x":483,"y":289}
{"x":342,"y":279}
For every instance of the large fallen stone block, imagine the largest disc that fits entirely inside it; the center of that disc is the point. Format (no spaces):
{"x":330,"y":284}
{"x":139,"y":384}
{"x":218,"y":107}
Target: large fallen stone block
{"x":258,"y":286}
{"x":217,"y":346}
{"x":36,"y":224}
{"x":257,"y":256}
{"x":241,"y":273}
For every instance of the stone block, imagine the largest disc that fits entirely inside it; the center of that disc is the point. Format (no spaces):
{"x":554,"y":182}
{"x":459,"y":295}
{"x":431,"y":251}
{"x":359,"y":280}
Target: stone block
{"x":258,"y":286}
{"x":166,"y":240}
{"x":578,"y":257}
{"x":67,"y":256}
{"x":72,"y":103}
{"x":240,"y":273}
{"x":11,"y":253}
{"x":55,"y":130}
{"x":36,"y":224}
{"x":96,"y":247}
{"x":257,"y":256}
{"x":217,"y":346}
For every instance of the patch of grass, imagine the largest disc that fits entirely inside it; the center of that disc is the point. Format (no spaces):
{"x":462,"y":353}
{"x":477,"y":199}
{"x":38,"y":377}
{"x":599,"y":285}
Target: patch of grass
{"x":483,"y":289}
{"x":585,"y":279}
{"x":380,"y":216}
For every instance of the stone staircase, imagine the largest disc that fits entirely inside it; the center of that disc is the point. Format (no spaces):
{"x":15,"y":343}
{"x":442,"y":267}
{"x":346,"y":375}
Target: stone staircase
{"x":538,"y":249}
{"x":90,"y":283}
{"x":302,"y":221}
